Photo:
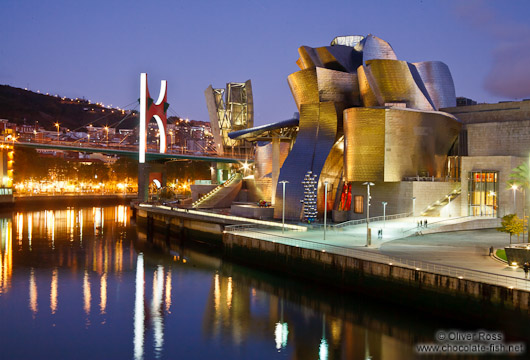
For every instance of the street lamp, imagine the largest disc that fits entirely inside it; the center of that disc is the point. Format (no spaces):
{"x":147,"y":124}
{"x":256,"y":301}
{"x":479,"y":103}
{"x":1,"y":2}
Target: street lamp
{"x":514,"y":187}
{"x":414,"y":208}
{"x":384,"y":212}
{"x":325,"y":207}
{"x":368,"y":238}
{"x":107,"y":130}
{"x":57,"y":126}
{"x":283,"y":182}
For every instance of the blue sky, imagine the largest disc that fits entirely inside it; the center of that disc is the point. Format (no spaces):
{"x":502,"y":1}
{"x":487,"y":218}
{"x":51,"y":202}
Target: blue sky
{"x":97,"y":49}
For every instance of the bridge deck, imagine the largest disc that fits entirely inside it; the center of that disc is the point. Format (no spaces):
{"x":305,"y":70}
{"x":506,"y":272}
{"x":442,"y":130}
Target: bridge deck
{"x":149,"y":156}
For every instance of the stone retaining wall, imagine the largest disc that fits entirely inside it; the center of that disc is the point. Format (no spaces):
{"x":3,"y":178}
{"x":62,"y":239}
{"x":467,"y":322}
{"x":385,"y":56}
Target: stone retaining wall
{"x":406,"y":284}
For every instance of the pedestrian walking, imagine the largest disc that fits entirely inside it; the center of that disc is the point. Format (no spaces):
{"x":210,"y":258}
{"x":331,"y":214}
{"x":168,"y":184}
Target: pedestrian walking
{"x":526,"y":267}
{"x":381,"y":234}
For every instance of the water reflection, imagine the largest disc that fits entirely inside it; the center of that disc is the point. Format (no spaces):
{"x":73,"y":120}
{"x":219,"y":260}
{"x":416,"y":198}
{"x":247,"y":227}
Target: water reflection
{"x":6,"y":254}
{"x":33,"y":292}
{"x":139,"y":315}
{"x":53,"y":291}
{"x":87,"y":294}
{"x":144,"y":298}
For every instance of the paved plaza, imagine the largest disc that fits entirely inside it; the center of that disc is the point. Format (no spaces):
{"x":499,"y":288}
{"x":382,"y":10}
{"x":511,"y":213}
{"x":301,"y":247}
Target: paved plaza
{"x":403,"y":239}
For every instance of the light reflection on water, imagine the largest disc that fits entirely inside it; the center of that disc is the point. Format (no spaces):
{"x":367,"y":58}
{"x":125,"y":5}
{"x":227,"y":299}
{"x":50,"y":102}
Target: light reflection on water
{"x":110,"y":294}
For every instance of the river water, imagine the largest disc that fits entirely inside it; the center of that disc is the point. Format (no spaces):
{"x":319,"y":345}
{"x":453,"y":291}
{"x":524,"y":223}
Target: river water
{"x":84,"y":283}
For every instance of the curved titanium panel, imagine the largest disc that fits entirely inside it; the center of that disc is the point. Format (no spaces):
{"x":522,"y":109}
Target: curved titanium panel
{"x":263,"y":162}
{"x":364,"y":144}
{"x":338,"y":87}
{"x":332,"y":173}
{"x":318,"y":129}
{"x":304,"y":86}
{"x":390,"y":144}
{"x":394,"y":83}
{"x":338,"y":57}
{"x":376,"y":48}
{"x":367,"y":94}
{"x":439,"y":83}
{"x":319,"y":84}
{"x":308,"y":58}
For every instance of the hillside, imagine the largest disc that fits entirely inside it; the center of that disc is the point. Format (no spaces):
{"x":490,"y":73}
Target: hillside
{"x":19,"y":106}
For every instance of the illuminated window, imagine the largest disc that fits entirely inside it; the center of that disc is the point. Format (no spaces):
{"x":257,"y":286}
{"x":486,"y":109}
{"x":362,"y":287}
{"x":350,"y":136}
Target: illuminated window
{"x":482,"y":193}
{"x":358,"y":204}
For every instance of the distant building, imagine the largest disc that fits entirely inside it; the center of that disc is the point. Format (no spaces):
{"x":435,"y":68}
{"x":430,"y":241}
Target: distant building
{"x":230,"y":109}
{"x":463,"y":101}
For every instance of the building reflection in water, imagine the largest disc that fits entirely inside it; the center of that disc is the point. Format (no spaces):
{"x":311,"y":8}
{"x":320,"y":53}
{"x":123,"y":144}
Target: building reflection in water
{"x":161,"y":293}
{"x":236,"y":311}
{"x":87,"y":294}
{"x":53,"y":291}
{"x":33,"y":292}
{"x":281,"y":331}
{"x":323,"y":349}
{"x":139,"y":315}
{"x":30,"y":230}
{"x":6,"y":254}
{"x":240,"y":307}
{"x":57,"y":235}
{"x":157,"y":312}
{"x":103,"y":294}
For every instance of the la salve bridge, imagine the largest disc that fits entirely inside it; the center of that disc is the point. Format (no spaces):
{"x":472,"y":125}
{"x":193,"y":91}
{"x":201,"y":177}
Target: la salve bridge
{"x":129,"y":151}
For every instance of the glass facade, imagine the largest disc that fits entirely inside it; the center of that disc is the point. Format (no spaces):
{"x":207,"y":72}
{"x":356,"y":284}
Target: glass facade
{"x":483,"y":193}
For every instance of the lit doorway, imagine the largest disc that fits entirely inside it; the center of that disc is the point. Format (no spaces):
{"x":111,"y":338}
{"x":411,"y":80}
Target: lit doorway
{"x":483,"y":193}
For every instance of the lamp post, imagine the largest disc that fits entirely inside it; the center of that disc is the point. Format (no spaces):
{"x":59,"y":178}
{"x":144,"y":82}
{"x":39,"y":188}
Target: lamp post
{"x":107,"y":131}
{"x":325,"y":207}
{"x":283,"y":182}
{"x":514,"y":187}
{"x":368,"y":237}
{"x":384,"y":213}
{"x":414,"y":208}
{"x":57,"y":126}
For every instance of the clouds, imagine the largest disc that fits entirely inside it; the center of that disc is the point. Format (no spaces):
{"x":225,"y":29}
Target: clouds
{"x":509,"y":75}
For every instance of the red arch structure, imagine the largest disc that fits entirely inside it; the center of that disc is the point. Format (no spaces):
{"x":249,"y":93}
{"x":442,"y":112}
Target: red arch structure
{"x":150,"y":109}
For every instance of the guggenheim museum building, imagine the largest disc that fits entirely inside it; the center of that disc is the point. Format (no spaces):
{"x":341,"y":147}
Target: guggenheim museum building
{"x":369,"y":119}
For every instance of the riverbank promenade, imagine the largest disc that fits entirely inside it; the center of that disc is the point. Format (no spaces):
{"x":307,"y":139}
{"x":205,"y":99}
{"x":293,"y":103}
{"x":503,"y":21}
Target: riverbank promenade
{"x":458,"y":247}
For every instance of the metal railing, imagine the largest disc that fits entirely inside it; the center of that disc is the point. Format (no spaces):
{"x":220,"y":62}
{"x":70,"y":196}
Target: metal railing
{"x":215,"y":190}
{"x":359,"y":253}
{"x":373,"y":219}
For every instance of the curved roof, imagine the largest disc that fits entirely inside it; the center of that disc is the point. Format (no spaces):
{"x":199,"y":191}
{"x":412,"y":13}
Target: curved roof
{"x":258,"y":130}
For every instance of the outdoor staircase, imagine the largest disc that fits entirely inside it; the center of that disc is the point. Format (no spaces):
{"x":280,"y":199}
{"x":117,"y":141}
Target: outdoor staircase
{"x":434,"y":208}
{"x":220,"y":194}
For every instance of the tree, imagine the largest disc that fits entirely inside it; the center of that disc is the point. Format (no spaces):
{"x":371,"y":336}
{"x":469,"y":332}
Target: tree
{"x":512,"y":224}
{"x":125,"y":168}
{"x":520,"y":176}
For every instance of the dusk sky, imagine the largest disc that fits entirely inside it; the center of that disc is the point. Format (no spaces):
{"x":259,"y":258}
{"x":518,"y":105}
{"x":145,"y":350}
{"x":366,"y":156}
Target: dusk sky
{"x":97,"y":49}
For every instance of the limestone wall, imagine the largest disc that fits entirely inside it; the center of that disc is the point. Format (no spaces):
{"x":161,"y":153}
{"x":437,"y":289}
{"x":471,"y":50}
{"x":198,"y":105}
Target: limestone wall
{"x":502,"y":164}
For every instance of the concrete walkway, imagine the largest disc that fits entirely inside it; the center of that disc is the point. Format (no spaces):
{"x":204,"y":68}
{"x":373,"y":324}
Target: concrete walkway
{"x":403,"y":240}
